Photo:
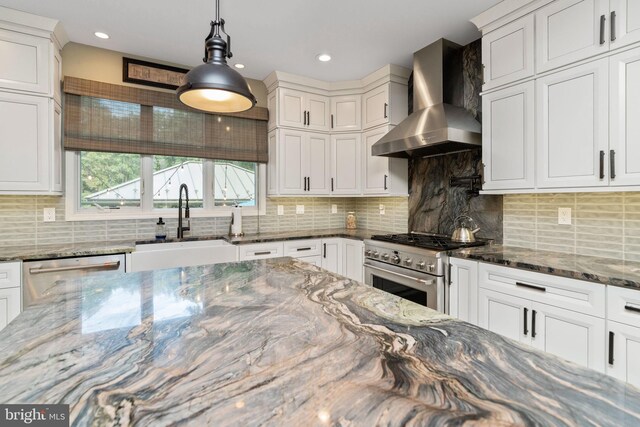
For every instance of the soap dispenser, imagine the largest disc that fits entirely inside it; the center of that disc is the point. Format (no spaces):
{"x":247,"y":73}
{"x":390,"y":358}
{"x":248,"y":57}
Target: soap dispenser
{"x":161,"y":230}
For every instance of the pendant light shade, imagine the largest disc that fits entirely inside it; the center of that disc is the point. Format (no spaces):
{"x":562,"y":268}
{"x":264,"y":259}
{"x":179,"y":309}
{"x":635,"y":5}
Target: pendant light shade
{"x":214,"y":86}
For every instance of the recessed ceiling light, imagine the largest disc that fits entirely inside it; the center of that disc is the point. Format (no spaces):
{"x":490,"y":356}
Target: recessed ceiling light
{"x":324,"y":57}
{"x":241,"y":66}
{"x":101,"y":35}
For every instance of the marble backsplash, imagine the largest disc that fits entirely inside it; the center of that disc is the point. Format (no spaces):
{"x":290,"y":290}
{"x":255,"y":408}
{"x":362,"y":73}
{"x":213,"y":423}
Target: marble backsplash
{"x":21,"y":220}
{"x":434,"y":204}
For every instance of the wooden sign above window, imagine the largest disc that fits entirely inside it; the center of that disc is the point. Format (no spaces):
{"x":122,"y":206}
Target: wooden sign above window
{"x":151,"y":74}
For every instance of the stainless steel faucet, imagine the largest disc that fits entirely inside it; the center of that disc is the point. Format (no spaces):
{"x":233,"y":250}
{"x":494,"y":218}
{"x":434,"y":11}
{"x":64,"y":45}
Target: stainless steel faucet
{"x":182,"y":229}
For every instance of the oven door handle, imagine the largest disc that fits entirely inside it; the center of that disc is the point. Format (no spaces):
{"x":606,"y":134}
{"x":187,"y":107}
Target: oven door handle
{"x":404,"y":276}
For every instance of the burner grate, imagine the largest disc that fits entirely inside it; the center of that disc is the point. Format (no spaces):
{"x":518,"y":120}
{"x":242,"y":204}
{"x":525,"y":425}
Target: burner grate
{"x":426,"y":241}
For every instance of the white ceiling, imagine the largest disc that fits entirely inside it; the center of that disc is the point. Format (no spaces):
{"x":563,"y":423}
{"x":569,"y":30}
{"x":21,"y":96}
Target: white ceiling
{"x":285,"y":35}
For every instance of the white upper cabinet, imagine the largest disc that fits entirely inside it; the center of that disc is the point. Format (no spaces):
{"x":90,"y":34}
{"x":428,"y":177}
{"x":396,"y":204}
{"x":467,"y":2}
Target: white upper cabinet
{"x":625,"y":22}
{"x":346,"y":163}
{"x":317,"y":155}
{"x":305,"y":159}
{"x":573,"y":132}
{"x":624,"y":141}
{"x":570,"y":30}
{"x":508,"y":53}
{"x":375,"y":107}
{"x":24,"y":62}
{"x":508,"y":138}
{"x":382,"y":175}
{"x":346,"y":113}
{"x":272,"y":165}
{"x":272,"y":100}
{"x":303,"y":110}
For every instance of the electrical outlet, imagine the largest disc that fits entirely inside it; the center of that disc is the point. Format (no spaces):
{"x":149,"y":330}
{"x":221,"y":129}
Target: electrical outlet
{"x":299,"y":209}
{"x":49,"y":214}
{"x":334,"y":209}
{"x":280,"y":210}
{"x":382,"y":211}
{"x":564,"y":216}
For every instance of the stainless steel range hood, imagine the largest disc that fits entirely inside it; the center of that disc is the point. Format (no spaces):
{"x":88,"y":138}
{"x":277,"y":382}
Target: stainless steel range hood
{"x":439,"y":124}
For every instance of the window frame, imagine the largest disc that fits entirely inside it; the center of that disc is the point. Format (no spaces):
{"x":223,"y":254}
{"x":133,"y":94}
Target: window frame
{"x":146,"y":209}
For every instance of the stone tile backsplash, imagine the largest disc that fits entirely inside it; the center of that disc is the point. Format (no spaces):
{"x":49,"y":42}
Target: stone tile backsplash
{"x":602,"y":224}
{"x":21,"y":220}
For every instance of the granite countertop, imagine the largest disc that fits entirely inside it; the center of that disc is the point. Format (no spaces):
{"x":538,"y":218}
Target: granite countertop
{"x":26,"y":253}
{"x":281,"y":342}
{"x":607,"y":271}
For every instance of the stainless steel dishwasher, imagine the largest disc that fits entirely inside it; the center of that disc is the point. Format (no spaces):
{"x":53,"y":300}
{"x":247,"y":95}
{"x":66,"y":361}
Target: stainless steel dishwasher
{"x":38,"y":276}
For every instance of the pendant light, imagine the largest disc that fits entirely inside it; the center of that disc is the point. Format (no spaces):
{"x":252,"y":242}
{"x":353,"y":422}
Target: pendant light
{"x":214,"y":86}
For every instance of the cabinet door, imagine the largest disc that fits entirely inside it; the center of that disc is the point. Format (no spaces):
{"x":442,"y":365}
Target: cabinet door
{"x":463,"y":290}
{"x":625,"y":22}
{"x":346,"y":113}
{"x":376,"y":168}
{"x":291,"y":108}
{"x":272,"y":100}
{"x":292,"y":161}
{"x":24,"y":139}
{"x":504,"y":314}
{"x":317,"y":156}
{"x":375,"y":107}
{"x":508,"y":53}
{"x":624,"y":141}
{"x":56,"y":74}
{"x":9,"y":305}
{"x":318,"y":112}
{"x":573,"y":336}
{"x":346,"y":163}
{"x":570,"y":30}
{"x":353,"y":259}
{"x":56,"y":149}
{"x":332,"y":255}
{"x":624,"y":352}
{"x":27,"y":68}
{"x":508,"y":136}
{"x":573,"y":127}
{"x":272,"y":166}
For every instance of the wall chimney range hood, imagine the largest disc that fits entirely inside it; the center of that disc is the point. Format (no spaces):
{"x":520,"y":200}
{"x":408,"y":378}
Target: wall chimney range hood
{"x":439,"y":123}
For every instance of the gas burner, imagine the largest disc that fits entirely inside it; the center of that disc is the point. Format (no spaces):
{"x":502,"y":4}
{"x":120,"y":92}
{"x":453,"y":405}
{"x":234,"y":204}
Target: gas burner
{"x":435,"y":242}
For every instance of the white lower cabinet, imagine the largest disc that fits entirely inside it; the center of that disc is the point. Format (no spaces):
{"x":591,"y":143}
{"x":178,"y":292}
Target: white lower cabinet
{"x":503,"y":314}
{"x":260,"y":251}
{"x":10,"y":292}
{"x":353,"y":259}
{"x":624,"y":352}
{"x":463,"y":290}
{"x":332,"y":255}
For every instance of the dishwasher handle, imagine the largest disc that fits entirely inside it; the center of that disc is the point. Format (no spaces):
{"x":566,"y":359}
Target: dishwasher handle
{"x":104,"y":266}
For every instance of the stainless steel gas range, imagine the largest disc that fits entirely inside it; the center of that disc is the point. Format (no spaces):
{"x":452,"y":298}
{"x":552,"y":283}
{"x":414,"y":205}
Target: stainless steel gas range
{"x":411,"y":266}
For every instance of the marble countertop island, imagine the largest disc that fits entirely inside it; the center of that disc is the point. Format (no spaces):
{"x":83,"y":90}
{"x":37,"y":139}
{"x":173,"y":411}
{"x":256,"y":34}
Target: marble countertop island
{"x":280,"y":342}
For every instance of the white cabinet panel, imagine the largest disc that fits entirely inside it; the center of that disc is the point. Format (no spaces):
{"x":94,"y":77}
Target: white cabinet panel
{"x":346,"y":164}
{"x":508,"y":138}
{"x":56,"y":150}
{"x":25,"y":141}
{"x":10,"y":305}
{"x":624,"y":352}
{"x":346,"y":113}
{"x":291,"y":111}
{"x":623,"y":305}
{"x":353,"y":259}
{"x":318,"y":112}
{"x":624,"y":142}
{"x":260,"y":251}
{"x":376,"y":168}
{"x":332,"y":255}
{"x":626,"y":29}
{"x":292,"y":161}
{"x":504,"y":314}
{"x":375,"y":107}
{"x":272,"y":102}
{"x":10,"y":276}
{"x":508,"y":53}
{"x":317,"y":156}
{"x":463,"y":290}
{"x":572,"y":119}
{"x":570,"y":30}
{"x":302,"y":248}
{"x":25,"y":62}
{"x":272,"y":166}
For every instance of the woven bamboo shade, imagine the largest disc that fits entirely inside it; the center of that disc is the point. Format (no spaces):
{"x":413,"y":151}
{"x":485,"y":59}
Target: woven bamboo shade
{"x":122,"y":119}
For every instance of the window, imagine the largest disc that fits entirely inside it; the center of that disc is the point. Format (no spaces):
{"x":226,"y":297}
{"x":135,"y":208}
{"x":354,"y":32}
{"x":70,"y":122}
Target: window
{"x":117,"y":185}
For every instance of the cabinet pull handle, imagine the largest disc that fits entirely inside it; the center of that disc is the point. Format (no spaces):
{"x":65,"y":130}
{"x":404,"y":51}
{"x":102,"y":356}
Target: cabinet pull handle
{"x":303,"y":249}
{"x":386,"y":106}
{"x":613,"y":26}
{"x":612,"y":161}
{"x":106,"y":266}
{"x":262,"y":253}
{"x":308,"y":183}
{"x":324,"y":250}
{"x":526,"y":320}
{"x":331,"y":184}
{"x":603,"y":19}
{"x":632,"y":308}
{"x":601,"y":164}
{"x":612,"y":335}
{"x":533,"y":323}
{"x":385,"y":182}
{"x":304,"y":117}
{"x":308,"y":118}
{"x":304,"y":184}
{"x":528,"y":286}
{"x":332,"y":121}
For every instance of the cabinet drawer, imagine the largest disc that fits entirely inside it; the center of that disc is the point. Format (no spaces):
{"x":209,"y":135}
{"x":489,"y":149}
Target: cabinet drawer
{"x":260,"y":251}
{"x":570,"y":294}
{"x":623,"y":305}
{"x":302,"y":248}
{"x":9,"y":275}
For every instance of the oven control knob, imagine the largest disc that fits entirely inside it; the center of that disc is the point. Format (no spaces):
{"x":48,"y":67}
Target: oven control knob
{"x":408,"y":262}
{"x":431,"y":268}
{"x":384,"y":257}
{"x":395,"y":259}
{"x":367,"y":253}
{"x":375,"y":254}
{"x":421,"y":265}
